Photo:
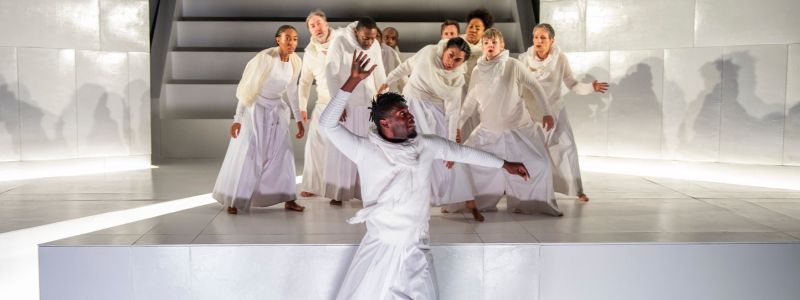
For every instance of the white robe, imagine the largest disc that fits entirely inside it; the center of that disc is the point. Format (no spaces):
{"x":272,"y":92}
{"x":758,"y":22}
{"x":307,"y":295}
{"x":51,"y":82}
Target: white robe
{"x":392,"y":60}
{"x":341,"y":177}
{"x":316,"y":149}
{"x":507,"y":130}
{"x":434,"y":98}
{"x":551,"y":72}
{"x":392,"y":261}
{"x":258,"y":169}
{"x":476,"y":51}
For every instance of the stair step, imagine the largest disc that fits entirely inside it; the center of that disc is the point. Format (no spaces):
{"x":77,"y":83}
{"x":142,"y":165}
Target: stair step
{"x":200,"y":100}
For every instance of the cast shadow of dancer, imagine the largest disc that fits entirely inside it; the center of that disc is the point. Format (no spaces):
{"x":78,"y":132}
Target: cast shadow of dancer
{"x":8,"y":112}
{"x":791,"y":146}
{"x":698,"y":134}
{"x":634,"y":116}
{"x":104,"y":138}
{"x":588,"y":114}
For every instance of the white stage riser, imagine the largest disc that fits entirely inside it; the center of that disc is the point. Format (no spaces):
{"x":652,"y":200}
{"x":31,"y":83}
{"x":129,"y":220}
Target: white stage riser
{"x":464,"y":271}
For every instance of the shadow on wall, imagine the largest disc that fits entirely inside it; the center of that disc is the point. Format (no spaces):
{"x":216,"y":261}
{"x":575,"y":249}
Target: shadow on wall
{"x":105,"y":136}
{"x":792,"y":135}
{"x":634,"y":115}
{"x":9,"y":120}
{"x":698,"y":133}
{"x":752,"y":130}
{"x":589,"y":116}
{"x":139,"y":115}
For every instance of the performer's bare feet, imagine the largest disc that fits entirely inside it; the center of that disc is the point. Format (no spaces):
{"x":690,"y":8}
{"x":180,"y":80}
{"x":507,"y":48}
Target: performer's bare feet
{"x":307,"y":194}
{"x":336,"y":202}
{"x":445,"y":211}
{"x":474,"y":208}
{"x":292,"y":205}
{"x":583,"y":198}
{"x":232,"y":210}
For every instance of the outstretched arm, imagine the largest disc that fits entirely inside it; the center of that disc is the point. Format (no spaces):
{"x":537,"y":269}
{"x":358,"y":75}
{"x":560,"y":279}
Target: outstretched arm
{"x":464,"y":154}
{"x":529,"y":81}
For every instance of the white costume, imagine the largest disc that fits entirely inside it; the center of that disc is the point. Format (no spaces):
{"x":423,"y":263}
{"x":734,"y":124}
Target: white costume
{"x":258,"y":169}
{"x":507,"y":130}
{"x":434,"y":98}
{"x":391,"y":60}
{"x":476,"y":51}
{"x":316,"y":149}
{"x":341,"y":177}
{"x":392,"y":261}
{"x":551,"y":72}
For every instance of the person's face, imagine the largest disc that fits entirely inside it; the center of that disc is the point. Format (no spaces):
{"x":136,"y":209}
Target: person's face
{"x":492,"y":47}
{"x":287,"y":41}
{"x":399,"y":124}
{"x":475,"y":29}
{"x":452,"y":58}
{"x":365,"y":37}
{"x":318,"y":28}
{"x":542,"y":41}
{"x":390,"y":38}
{"x":449,"y":32}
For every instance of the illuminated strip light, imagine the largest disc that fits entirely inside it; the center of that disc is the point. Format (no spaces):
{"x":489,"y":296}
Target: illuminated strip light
{"x":12,"y":171}
{"x":779,"y":177}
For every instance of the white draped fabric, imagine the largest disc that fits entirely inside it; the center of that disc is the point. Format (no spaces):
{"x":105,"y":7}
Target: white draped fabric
{"x":476,"y":51}
{"x":391,"y":60}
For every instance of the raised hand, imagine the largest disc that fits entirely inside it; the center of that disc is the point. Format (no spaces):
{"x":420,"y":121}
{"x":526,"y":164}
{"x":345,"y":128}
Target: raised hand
{"x":548,"y":122}
{"x":516,"y":168}
{"x":358,"y":71}
{"x":235,"y":129}
{"x":601,"y":87}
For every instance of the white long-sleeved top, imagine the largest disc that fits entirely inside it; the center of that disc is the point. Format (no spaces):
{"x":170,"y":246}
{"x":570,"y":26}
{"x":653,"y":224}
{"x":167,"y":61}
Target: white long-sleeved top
{"x":429,"y":81}
{"x":395,"y":177}
{"x":314,"y":70}
{"x":256,"y":73}
{"x":551,"y":72}
{"x":496,"y":91}
{"x":391,"y":58}
{"x":339,"y":61}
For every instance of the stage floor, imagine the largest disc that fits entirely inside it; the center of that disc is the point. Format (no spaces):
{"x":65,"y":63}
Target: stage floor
{"x":623,"y":209}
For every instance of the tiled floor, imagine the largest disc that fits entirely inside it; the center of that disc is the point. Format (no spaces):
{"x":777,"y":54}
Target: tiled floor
{"x":623,"y":209}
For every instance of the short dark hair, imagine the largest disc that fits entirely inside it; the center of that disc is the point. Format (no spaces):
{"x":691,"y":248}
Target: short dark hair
{"x":366,"y":22}
{"x":483,"y":14}
{"x":449,"y":22}
{"x":382,"y":105}
{"x":460,"y":44}
{"x":284,"y":28}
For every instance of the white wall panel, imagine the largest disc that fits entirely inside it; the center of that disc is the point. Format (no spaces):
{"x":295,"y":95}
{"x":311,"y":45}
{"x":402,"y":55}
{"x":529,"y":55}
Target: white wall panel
{"x":588,"y":114}
{"x":634,"y":116}
{"x":692,"y":97}
{"x":753,"y":104}
{"x":77,"y":272}
{"x":9,"y":106}
{"x":139,"y":99}
{"x":161,"y":273}
{"x":124,"y":25}
{"x":51,"y":24}
{"x":746,"y":22}
{"x":49,"y":120}
{"x":520,"y":262}
{"x":791,"y":138}
{"x":103,"y":107}
{"x":456,"y":264}
{"x":568,"y":20}
{"x":638,"y":24}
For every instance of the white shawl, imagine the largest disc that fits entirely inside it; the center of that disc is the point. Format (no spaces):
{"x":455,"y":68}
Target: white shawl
{"x":256,"y":72}
{"x":339,"y":59}
{"x":542,"y":68}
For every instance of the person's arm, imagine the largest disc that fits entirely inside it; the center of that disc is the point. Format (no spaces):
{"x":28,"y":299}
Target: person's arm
{"x":470,"y":102}
{"x":402,"y":71}
{"x":304,"y":87}
{"x":576,"y":86}
{"x":528,"y":81}
{"x":452,"y":108}
{"x":291,"y":98}
{"x":450,"y":151}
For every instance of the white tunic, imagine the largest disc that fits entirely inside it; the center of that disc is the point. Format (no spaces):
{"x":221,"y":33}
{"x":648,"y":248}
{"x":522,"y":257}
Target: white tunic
{"x":258,"y":169}
{"x":341,"y":177}
{"x":551,"y":72}
{"x":476,"y":51}
{"x":392,"y":260}
{"x":507,"y":130}
{"x":391,"y":60}
{"x":316,"y":149}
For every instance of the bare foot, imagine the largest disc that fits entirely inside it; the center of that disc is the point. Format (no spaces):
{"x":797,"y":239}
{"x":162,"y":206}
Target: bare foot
{"x":583,"y":198}
{"x":336,"y":202}
{"x":232,"y":210}
{"x":291,"y":205}
{"x":307,"y":194}
{"x":444,"y":211}
{"x":477,"y":215}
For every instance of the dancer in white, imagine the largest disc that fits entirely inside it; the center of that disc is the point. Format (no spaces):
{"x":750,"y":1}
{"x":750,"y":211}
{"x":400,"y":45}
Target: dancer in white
{"x":391,"y":55}
{"x":507,"y":130}
{"x":316,"y":149}
{"x":392,"y":261}
{"x":258,"y":169}
{"x":341,"y":177}
{"x":478,"y":21}
{"x":434,"y":97}
{"x":450,"y":29}
{"x":551,"y":68}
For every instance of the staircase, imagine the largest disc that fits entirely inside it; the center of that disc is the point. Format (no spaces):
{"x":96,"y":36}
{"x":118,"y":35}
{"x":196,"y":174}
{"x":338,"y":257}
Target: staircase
{"x":211,"y":41}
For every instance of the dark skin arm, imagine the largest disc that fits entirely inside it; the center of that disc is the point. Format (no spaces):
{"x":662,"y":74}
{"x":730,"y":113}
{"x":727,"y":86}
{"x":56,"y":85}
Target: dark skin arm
{"x":515,"y":168}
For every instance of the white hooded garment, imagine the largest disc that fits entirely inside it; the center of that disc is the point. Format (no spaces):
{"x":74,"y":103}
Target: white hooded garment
{"x":392,"y":261}
{"x":551,"y":72}
{"x":476,"y":52}
{"x":341,"y":177}
{"x":258,"y":169}
{"x":507,"y":130}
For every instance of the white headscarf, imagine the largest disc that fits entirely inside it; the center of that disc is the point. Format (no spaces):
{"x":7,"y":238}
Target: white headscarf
{"x":542,"y":68}
{"x":494,"y":67}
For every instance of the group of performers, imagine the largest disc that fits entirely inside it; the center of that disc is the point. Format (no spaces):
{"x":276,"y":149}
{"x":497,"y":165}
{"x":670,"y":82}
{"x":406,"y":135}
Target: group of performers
{"x":363,"y":139}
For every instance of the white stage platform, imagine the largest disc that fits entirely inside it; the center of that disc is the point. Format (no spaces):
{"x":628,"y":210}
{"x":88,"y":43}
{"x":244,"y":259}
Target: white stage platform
{"x":640,"y":237}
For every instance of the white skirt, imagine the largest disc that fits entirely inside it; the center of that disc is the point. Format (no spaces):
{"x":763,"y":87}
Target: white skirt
{"x":341,"y":175}
{"x":316,"y":151}
{"x":258,"y":169}
{"x":564,"y":155}
{"x":489,"y":185}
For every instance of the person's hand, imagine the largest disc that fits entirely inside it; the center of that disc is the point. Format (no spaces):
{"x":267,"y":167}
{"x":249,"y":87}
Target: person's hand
{"x":548,"y":122}
{"x":235,"y":129}
{"x":449,"y":164}
{"x":304,"y":116}
{"x":383,"y":88}
{"x":458,"y":136}
{"x":601,"y":87}
{"x":301,"y":131}
{"x":516,"y":168}
{"x":358,"y":71}
{"x":343,"y":118}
